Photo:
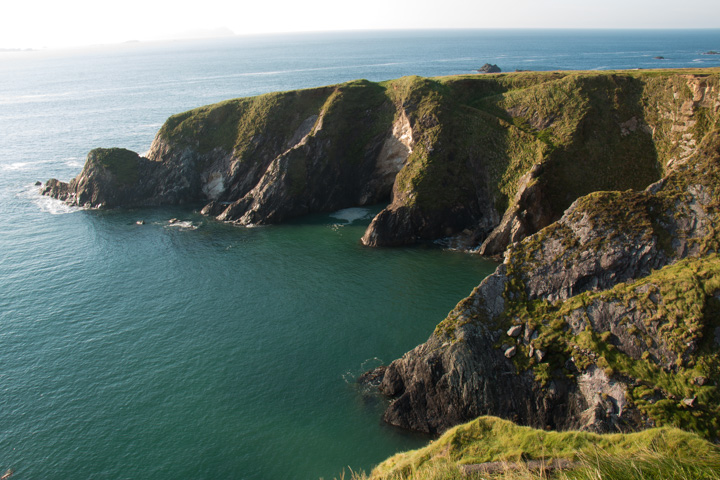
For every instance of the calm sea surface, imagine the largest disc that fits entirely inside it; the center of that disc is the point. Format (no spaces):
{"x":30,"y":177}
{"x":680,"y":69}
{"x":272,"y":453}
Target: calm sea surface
{"x":202,"y":350}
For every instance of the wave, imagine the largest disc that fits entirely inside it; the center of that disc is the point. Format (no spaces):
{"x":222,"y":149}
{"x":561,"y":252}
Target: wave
{"x":182,"y":225}
{"x":74,"y":162}
{"x":33,"y":98}
{"x":351,"y":214}
{"x":15,"y":166}
{"x":50,"y":205}
{"x":351,"y":376}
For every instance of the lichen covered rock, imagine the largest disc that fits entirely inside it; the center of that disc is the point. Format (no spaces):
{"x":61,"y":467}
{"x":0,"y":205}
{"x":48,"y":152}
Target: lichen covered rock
{"x":620,"y":297}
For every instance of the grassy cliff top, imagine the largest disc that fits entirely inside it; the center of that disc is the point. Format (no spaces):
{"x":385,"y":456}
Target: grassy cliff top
{"x":666,"y":453}
{"x":592,"y":129}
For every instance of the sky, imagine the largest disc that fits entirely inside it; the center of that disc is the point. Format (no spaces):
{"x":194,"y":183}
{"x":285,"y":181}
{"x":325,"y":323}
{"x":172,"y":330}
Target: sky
{"x":63,"y":23}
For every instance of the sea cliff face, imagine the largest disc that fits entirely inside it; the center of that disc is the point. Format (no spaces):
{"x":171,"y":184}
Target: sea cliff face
{"x":482,"y":161}
{"x":605,"y":320}
{"x":601,"y":189}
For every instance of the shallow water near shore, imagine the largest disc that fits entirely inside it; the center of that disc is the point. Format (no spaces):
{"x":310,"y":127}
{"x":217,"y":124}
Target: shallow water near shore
{"x":197,"y":349}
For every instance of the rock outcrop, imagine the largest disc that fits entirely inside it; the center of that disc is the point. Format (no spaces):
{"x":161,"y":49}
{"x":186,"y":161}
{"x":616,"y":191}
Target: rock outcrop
{"x":491,"y":159}
{"x":489,"y":68}
{"x":611,"y":312}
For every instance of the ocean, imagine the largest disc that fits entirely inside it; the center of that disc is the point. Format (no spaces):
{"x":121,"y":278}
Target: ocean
{"x":203,"y":350}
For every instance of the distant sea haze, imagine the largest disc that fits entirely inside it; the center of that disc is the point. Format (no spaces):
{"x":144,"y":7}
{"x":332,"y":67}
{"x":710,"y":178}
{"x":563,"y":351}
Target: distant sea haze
{"x":196,"y":349}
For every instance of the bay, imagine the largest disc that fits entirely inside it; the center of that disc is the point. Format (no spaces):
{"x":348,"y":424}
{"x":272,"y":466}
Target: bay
{"x":200,"y":349}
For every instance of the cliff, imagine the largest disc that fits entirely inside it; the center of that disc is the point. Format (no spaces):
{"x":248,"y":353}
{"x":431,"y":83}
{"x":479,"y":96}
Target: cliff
{"x":603,"y":187}
{"x":607,"y":319}
{"x":488,"y":159}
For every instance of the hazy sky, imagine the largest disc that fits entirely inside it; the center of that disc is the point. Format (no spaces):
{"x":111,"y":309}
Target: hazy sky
{"x":55,"y":23}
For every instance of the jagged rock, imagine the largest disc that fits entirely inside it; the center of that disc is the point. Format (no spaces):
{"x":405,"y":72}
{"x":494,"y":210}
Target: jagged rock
{"x":510,"y":352}
{"x":602,"y":240}
{"x":111,"y":177}
{"x":530,"y":213}
{"x":373,"y":378}
{"x":489,"y":68}
{"x":515,"y":331}
{"x":690,"y":402}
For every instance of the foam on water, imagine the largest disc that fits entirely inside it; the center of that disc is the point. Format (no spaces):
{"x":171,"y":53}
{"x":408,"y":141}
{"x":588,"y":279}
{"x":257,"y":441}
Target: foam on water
{"x":50,"y":205}
{"x":182,"y":225}
{"x":53,"y":206}
{"x":351,"y":214}
{"x":15,"y":166}
{"x":75,"y":162}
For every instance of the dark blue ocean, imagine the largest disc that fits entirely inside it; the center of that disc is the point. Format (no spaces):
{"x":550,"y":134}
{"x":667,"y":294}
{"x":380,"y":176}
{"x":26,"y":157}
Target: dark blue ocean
{"x":202,"y":350}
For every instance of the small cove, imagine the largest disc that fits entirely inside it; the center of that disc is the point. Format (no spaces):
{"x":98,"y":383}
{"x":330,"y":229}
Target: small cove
{"x":213,"y":349}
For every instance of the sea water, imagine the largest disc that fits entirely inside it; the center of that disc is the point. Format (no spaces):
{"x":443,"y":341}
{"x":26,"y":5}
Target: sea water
{"x":197,"y":349}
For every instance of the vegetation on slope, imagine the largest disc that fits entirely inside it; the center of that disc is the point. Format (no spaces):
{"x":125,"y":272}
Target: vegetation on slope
{"x":666,"y":453}
{"x":474,"y":138}
{"x":122,"y":163}
{"x":661,"y":339}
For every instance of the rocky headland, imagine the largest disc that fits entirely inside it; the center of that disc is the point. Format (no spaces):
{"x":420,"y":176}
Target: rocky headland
{"x":599,"y":189}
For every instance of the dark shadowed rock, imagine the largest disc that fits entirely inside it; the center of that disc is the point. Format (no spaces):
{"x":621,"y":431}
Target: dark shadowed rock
{"x":468,"y":366}
{"x":489,"y":68}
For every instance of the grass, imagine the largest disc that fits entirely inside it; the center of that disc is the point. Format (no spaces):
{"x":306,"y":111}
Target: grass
{"x":122,"y":163}
{"x":652,"y":454}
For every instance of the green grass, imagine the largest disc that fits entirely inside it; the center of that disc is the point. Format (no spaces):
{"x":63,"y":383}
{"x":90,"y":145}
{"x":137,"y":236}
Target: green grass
{"x":122,"y":163}
{"x":642,"y":455}
{"x":471,"y":132}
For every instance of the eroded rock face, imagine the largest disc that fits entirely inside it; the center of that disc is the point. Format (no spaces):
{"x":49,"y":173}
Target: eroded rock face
{"x":478,"y":162}
{"x":607,"y":238}
{"x":113,"y":177}
{"x":529,"y":213}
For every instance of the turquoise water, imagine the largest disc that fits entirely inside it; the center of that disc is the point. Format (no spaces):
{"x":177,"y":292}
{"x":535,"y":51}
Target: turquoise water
{"x":202,"y":350}
{"x":205,"y":350}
